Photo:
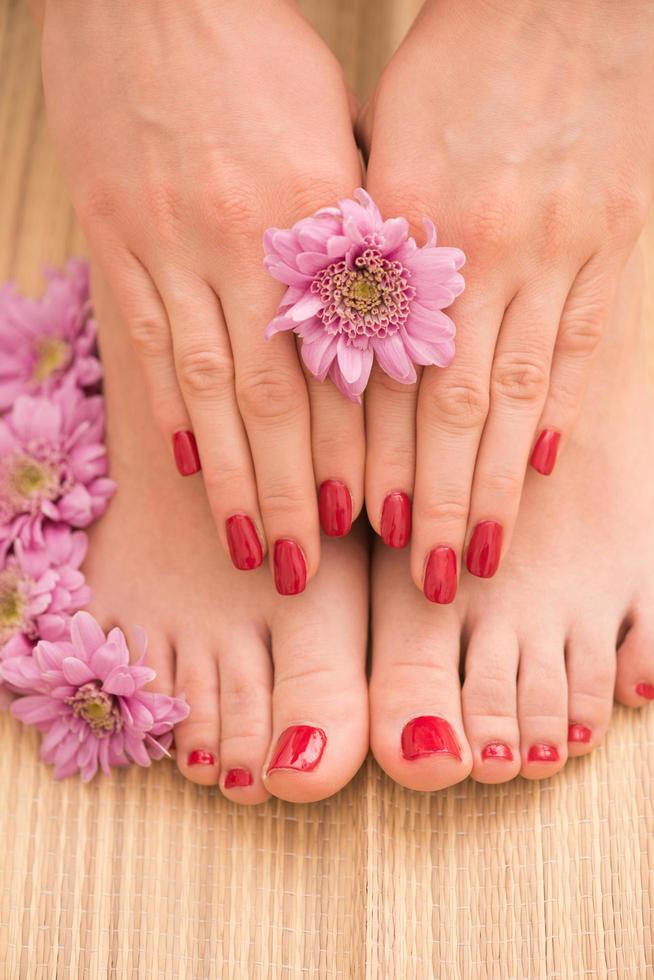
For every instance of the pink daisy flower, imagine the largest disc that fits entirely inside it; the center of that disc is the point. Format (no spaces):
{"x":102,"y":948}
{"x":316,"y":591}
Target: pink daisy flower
{"x":52,"y":464}
{"x":360,"y":288}
{"x":43,"y":340}
{"x":89,"y":702}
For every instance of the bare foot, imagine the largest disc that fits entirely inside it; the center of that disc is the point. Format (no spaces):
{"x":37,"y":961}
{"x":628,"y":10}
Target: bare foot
{"x":537,"y":644}
{"x":277,"y":686}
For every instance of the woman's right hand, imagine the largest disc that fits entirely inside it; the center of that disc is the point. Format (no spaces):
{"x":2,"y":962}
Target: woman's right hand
{"x":186,"y":130}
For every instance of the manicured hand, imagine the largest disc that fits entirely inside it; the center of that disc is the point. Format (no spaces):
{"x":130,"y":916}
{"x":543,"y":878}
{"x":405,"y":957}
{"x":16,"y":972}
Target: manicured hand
{"x":525,"y":131}
{"x":186,"y":129}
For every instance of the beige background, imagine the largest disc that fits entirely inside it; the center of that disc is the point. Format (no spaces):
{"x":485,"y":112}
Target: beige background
{"x":148,"y":876}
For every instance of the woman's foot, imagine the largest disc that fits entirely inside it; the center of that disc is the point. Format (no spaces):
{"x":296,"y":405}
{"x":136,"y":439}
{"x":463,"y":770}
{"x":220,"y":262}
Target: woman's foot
{"x":519,"y":672}
{"x":276,"y":685}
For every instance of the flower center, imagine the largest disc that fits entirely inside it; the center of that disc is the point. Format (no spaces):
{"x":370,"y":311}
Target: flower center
{"x":52,"y":354}
{"x":25,"y":482}
{"x":12,"y":605}
{"x":371,"y":299}
{"x":97,"y":708}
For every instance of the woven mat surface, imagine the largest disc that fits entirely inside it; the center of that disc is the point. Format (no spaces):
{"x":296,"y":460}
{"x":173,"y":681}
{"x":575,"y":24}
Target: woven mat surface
{"x":148,"y":876}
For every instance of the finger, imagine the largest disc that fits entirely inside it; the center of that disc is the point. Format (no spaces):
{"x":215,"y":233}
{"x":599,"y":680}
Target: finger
{"x":204,"y":366}
{"x":580,"y":330}
{"x":518,"y":388}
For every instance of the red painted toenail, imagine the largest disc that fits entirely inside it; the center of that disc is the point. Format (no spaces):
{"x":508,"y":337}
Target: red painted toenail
{"x":497,"y":750}
{"x":579,"y":733}
{"x":429,"y":735}
{"x":484,"y":549}
{"x":545,"y":451}
{"x":299,"y":747}
{"x":645,"y":691}
{"x":440,"y":575}
{"x":335,"y":508}
{"x":238,"y":777}
{"x":185,"y":450}
{"x":200,"y":757}
{"x":290,"y":567}
{"x":543,"y":753}
{"x":395,"y":525}
{"x":244,"y":546}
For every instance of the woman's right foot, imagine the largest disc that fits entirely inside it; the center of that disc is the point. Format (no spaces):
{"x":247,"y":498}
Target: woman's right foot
{"x":277,"y":686}
{"x":536,"y":644}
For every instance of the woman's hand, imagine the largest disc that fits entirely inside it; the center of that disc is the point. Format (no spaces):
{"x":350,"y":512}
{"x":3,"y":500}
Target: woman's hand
{"x":186,"y":129}
{"x":525,"y":132}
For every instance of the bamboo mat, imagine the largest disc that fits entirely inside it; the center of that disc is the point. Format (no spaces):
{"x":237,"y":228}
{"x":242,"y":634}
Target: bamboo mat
{"x":148,"y":876}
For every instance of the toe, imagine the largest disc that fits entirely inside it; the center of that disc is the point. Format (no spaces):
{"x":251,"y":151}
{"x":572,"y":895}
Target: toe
{"x":320,"y":702}
{"x":590,"y":665}
{"x":245,"y":718}
{"x":417,"y":733}
{"x":634,"y":685}
{"x":489,"y":698}
{"x":543,"y":706}
{"x":197,"y":737}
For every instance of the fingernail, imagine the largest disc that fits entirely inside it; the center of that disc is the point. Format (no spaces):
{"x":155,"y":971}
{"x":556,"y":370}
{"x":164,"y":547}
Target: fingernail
{"x":290,"y":567}
{"x":645,"y":691}
{"x":238,"y":777}
{"x":484,"y":549}
{"x":200,"y":757}
{"x":578,"y":733}
{"x":429,"y":735}
{"x":395,"y":525}
{"x":335,"y":508}
{"x":299,"y":747}
{"x":497,"y":750}
{"x":545,"y":451}
{"x":244,"y":545}
{"x":440,"y":575}
{"x":185,"y":450}
{"x":543,"y":753}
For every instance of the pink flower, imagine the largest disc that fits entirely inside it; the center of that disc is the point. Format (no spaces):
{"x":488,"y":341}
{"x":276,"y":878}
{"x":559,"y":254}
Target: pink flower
{"x":360,"y":288}
{"x":52,"y":464}
{"x":89,"y":702}
{"x":42,"y":340}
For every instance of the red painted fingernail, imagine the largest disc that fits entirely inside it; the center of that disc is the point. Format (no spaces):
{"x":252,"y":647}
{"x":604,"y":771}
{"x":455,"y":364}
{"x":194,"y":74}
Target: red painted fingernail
{"x":545,"y":451}
{"x":238,"y":777}
{"x":440,"y":575}
{"x":543,"y":753}
{"x":335,"y":508}
{"x":185,"y":450}
{"x":484,"y":549}
{"x":578,"y":733}
{"x":645,"y":691}
{"x":497,"y":750}
{"x":200,"y":757}
{"x":290,"y":567}
{"x":429,"y":735}
{"x":395,"y":525}
{"x":299,"y":747}
{"x":244,"y":546}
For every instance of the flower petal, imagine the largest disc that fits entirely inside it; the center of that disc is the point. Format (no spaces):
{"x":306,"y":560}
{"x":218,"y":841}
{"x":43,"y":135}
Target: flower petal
{"x":76,"y":671}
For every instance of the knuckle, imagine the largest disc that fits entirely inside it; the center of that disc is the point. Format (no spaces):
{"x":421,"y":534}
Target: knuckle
{"x":204,"y":371}
{"x":581,"y":331}
{"x":97,"y":201}
{"x":149,"y":336}
{"x":625,"y":208}
{"x":449,"y":510}
{"x":270,"y":395}
{"x":502,"y":484}
{"x":520,"y":378}
{"x":463,"y":404}
{"x":235,"y":211}
{"x":283,"y":497}
{"x":489,"y":218}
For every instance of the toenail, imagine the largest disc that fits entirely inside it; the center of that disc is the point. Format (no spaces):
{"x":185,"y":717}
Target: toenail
{"x":545,"y":451}
{"x":429,"y":735}
{"x":395,"y":525}
{"x":200,"y":757}
{"x":543,"y":753}
{"x":290,"y":567}
{"x":579,"y":733}
{"x":645,"y":691}
{"x":185,"y":450}
{"x":335,"y":508}
{"x":238,"y":778}
{"x":497,"y":750}
{"x":244,"y":545}
{"x":299,"y":747}
{"x":484,"y":549}
{"x":440,"y":575}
